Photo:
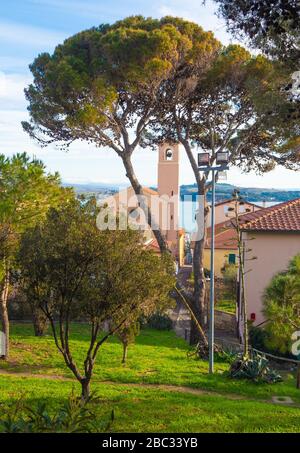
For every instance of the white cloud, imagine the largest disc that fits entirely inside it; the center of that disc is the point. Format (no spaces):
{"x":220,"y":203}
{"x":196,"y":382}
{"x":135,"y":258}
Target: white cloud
{"x":12,"y":90}
{"x":2,"y":84}
{"x":26,"y":35}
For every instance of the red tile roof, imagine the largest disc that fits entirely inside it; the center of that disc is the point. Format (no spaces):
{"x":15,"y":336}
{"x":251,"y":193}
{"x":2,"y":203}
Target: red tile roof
{"x":224,"y":239}
{"x":153,"y":245}
{"x":150,"y":191}
{"x":283,"y":217}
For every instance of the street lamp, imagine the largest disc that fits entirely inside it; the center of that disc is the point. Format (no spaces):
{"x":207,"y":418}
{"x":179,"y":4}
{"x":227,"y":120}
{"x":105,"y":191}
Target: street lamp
{"x":203,"y":159}
{"x":222,"y":158}
{"x":204,"y":164}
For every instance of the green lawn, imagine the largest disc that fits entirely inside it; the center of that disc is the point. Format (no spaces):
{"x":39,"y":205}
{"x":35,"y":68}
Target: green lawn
{"x":226,"y":305}
{"x":157,"y":358}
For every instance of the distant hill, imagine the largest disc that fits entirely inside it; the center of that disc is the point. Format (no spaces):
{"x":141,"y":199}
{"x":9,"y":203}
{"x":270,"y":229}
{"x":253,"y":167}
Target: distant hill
{"x":223,"y":191}
{"x":253,"y":194}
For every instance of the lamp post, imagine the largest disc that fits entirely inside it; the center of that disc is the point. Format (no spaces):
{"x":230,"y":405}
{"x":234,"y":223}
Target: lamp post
{"x":205,"y":164}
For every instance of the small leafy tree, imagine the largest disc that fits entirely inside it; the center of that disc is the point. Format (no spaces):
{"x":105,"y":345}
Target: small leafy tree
{"x":127,"y":335}
{"x":242,"y":250}
{"x":282,"y":308}
{"x":72,"y":270}
{"x":26,"y":194}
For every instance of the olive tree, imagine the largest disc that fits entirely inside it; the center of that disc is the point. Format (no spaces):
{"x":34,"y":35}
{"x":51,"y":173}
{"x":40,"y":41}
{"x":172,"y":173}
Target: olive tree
{"x":127,"y":335}
{"x":72,"y":271}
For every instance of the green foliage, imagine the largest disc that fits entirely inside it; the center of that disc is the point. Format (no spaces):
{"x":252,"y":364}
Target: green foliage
{"x":74,"y":416}
{"x":128,"y":333}
{"x":282,"y":307}
{"x":226,"y":355}
{"x":236,"y":104}
{"x":255,"y":369}
{"x":159,"y":321}
{"x":259,"y":338}
{"x":27,"y":192}
{"x":271,"y":26}
{"x":70,"y":270}
{"x":107,"y":79}
{"x":229,"y":272}
{"x":227,"y":305}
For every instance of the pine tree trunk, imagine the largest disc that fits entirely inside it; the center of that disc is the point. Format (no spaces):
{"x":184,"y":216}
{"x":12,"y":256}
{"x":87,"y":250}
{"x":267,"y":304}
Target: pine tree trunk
{"x":4,"y":314}
{"x":199,"y":308}
{"x":125,"y":350}
{"x":199,"y":292}
{"x":138,"y":190}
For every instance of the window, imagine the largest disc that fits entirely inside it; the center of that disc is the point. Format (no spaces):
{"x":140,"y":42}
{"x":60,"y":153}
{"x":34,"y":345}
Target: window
{"x":231,"y":258}
{"x":169,"y":154}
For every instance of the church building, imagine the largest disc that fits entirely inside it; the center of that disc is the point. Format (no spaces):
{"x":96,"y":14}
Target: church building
{"x":163,"y":202}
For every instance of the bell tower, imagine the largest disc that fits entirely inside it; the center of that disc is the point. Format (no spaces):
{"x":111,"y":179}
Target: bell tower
{"x":168,"y":187}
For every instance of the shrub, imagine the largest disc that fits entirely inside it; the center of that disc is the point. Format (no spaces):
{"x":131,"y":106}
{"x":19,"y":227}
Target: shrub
{"x":74,"y":416}
{"x":282,"y":306}
{"x":229,"y":272}
{"x":255,"y":369}
{"x":127,"y":335}
{"x":159,"y":321}
{"x":258,"y":338}
{"x":261,"y":339}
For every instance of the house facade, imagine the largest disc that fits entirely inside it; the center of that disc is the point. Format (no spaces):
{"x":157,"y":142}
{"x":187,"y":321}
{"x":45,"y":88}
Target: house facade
{"x":226,"y":249}
{"x":272,"y":236}
{"x":222,"y":209}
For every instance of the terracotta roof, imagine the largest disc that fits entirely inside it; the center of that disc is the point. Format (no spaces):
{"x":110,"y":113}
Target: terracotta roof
{"x":150,"y":191}
{"x":224,"y":239}
{"x":152,"y":244}
{"x":283,"y":217}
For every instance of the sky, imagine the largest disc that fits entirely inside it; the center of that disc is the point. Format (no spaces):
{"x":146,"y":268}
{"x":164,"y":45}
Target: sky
{"x":29,"y":27}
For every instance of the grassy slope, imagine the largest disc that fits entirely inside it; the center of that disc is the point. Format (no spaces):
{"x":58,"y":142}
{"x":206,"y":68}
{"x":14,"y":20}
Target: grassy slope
{"x":147,"y":410}
{"x":158,"y":357}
